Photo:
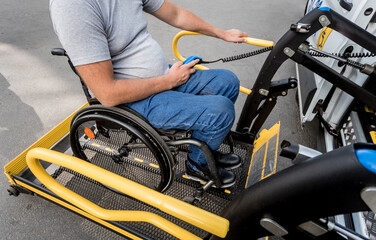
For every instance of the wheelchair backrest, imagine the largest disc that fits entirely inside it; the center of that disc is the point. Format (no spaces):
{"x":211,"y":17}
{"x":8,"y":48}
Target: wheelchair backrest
{"x":61,"y":52}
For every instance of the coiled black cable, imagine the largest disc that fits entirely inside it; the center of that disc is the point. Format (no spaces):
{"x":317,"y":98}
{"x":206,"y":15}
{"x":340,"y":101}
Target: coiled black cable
{"x":246,"y":55}
{"x":241,"y":56}
{"x":344,"y":55}
{"x":355,"y":64}
{"x":358,"y":55}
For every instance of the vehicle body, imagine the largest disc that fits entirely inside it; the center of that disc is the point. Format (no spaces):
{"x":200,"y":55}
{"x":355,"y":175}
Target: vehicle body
{"x":315,"y":92}
{"x":343,"y":120}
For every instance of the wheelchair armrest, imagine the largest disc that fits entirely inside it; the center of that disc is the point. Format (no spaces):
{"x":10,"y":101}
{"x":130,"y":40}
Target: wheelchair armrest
{"x":58,"y":52}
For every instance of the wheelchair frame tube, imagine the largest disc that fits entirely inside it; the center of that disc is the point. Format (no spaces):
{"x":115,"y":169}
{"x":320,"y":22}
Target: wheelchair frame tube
{"x":290,"y":42}
{"x":208,"y":155}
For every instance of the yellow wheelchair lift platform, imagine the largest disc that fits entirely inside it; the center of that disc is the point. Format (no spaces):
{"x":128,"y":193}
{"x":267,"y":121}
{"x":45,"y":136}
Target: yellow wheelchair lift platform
{"x":48,"y":169}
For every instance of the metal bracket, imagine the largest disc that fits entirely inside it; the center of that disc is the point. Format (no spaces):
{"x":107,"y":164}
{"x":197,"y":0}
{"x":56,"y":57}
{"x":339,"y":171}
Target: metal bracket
{"x":280,"y":87}
{"x":289,"y":52}
{"x":331,"y":130}
{"x":300,"y":27}
{"x":369,"y":197}
{"x":324,"y":20}
{"x":313,"y":228}
{"x":273,"y":227}
{"x":368,"y":69}
{"x":304,"y":47}
{"x":15,"y":190}
{"x":264,"y":92}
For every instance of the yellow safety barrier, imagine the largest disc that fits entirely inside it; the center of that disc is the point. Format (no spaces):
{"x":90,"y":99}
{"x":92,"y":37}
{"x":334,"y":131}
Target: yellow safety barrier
{"x":200,"y":218}
{"x":252,"y":41}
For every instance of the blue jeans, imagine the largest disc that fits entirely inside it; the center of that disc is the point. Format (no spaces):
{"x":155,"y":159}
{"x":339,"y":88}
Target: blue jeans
{"x":205,"y":104}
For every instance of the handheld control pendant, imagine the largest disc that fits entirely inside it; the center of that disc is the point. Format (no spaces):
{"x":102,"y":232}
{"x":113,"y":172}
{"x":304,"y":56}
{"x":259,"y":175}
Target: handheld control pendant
{"x":192,"y":58}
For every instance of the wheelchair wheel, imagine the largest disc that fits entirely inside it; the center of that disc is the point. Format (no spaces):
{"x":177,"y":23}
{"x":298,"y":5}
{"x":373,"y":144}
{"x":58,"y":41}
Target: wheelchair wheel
{"x":121,"y":142}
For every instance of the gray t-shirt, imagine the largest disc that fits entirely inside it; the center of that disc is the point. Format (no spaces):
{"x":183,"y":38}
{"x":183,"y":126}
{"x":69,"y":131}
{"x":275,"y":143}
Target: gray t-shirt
{"x":98,"y":30}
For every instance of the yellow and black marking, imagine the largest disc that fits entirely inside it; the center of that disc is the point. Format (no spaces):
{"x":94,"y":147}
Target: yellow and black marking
{"x":103,"y":148}
{"x":323,"y":37}
{"x":373,"y":136}
{"x":368,"y":110}
{"x":264,"y":157}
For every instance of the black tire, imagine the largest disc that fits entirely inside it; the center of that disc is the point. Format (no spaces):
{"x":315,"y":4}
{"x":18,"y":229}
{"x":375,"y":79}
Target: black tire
{"x":147,"y":159}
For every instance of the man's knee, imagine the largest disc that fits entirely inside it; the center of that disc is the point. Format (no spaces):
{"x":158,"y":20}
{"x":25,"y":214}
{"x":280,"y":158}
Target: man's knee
{"x":222,"y":111}
{"x":231,"y":77}
{"x":231,"y":83}
{"x":228,"y":76}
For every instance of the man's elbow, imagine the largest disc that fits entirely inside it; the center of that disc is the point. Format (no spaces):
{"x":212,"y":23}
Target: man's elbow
{"x":107,"y":100}
{"x":107,"y":103}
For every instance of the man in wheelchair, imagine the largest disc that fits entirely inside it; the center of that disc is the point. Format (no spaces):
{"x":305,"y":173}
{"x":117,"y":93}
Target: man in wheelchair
{"x":108,"y":43}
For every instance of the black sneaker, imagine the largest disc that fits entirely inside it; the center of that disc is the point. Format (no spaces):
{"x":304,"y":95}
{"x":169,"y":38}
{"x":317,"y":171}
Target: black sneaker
{"x":227,"y":178}
{"x":227,"y":161}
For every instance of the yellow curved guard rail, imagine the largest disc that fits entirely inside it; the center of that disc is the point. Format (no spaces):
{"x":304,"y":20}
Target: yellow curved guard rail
{"x":202,"y":219}
{"x":175,"y":47}
{"x":252,"y":41}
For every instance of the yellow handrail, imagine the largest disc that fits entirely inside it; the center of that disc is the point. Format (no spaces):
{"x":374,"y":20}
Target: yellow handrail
{"x":175,"y":47}
{"x":202,"y":219}
{"x":252,"y":41}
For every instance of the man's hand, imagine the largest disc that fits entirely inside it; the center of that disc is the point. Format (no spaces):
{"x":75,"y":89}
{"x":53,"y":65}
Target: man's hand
{"x":179,"y":73}
{"x":234,"y":35}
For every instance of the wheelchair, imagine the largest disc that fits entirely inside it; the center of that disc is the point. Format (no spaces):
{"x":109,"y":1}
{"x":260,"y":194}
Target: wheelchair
{"x":122,"y":141}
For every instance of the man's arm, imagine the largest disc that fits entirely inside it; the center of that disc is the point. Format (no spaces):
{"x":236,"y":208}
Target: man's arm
{"x":99,"y":78}
{"x":182,"y":18}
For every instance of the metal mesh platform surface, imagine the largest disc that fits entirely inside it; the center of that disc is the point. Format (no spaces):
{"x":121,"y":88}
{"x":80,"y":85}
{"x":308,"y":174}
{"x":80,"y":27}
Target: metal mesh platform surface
{"x":214,"y":200}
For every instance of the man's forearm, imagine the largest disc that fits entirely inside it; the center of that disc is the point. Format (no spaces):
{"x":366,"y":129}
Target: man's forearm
{"x":131,"y":90}
{"x":99,"y":78}
{"x":191,"y":22}
{"x":184,"y":19}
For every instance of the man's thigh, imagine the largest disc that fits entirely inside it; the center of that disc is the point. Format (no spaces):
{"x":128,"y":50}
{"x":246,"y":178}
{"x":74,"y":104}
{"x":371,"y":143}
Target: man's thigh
{"x":212,"y":82}
{"x":177,"y":110}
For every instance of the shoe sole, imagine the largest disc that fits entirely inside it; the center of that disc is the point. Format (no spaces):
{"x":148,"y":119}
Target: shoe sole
{"x":204,"y":181}
{"x":232,"y":167}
